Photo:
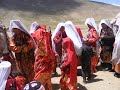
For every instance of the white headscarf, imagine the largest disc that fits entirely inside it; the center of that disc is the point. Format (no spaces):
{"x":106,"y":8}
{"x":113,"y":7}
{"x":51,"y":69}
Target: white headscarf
{"x":71,"y":33}
{"x":116,"y":26}
{"x":91,"y":22}
{"x":33,"y":27}
{"x":55,"y":32}
{"x":18,"y":24}
{"x":5,"y":68}
{"x":105,"y":21}
{"x":116,"y":50}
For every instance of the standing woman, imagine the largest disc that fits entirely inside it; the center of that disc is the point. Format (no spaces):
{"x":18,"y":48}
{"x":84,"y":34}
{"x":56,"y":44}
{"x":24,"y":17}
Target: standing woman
{"x":116,"y":52}
{"x":23,"y":45}
{"x":106,"y":42}
{"x":68,"y":66}
{"x":92,"y":38}
{"x":44,"y":58}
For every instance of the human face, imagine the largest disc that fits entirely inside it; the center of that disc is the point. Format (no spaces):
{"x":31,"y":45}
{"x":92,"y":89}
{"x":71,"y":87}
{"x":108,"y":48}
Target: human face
{"x":104,"y":26}
{"x":62,"y":29}
{"x":16,"y":31}
{"x":89,"y":26}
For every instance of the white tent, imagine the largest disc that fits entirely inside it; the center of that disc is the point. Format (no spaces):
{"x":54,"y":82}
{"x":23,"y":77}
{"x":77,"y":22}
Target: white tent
{"x":112,"y":2}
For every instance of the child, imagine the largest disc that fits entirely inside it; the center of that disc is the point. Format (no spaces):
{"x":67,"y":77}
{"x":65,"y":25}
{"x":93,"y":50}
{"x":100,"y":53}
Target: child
{"x":86,"y":53}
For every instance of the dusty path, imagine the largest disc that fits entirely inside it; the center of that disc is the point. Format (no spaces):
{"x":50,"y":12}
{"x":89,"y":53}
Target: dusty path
{"x":103,"y":80}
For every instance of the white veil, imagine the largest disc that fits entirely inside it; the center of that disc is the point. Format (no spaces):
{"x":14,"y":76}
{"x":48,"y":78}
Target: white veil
{"x":91,"y":22}
{"x":33,"y":27}
{"x":71,"y":33}
{"x":116,"y":50}
{"x":105,"y":21}
{"x":5,"y":68}
{"x":18,"y":24}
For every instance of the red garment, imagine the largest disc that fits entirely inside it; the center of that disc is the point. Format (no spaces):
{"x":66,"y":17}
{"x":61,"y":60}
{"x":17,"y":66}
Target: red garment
{"x":44,"y":56}
{"x":58,"y":43}
{"x":12,"y":84}
{"x":92,"y":37}
{"x":21,"y":81}
{"x":70,"y":61}
{"x":79,"y":32}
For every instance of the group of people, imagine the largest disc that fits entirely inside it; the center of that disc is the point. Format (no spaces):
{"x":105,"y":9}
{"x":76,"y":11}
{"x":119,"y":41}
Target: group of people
{"x":31,"y":56}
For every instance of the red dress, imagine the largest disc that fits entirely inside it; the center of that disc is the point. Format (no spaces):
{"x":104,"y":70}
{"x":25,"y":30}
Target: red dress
{"x":92,"y":39}
{"x":68,"y":79}
{"x":44,"y":58}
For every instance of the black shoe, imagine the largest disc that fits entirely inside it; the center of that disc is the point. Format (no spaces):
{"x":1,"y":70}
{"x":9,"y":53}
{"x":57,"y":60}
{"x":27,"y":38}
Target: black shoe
{"x":117,"y":75}
{"x":112,"y":70}
{"x":89,"y":78}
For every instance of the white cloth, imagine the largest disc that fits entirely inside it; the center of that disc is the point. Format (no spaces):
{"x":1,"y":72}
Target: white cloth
{"x":105,"y":21}
{"x":71,"y":32}
{"x":33,"y":27}
{"x":5,"y":68}
{"x":116,"y":50}
{"x":91,"y":22}
{"x":19,"y":25}
{"x":73,"y":35}
{"x":116,"y":26}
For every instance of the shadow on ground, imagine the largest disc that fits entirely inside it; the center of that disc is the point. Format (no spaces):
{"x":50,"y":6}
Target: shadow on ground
{"x":56,"y":86}
{"x":80,"y":87}
{"x":40,"y":6}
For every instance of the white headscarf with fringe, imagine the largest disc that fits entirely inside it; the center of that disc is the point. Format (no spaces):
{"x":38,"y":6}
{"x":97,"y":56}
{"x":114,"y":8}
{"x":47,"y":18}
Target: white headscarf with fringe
{"x":71,"y":33}
{"x":33,"y":27}
{"x":91,"y":22}
{"x":5,"y":69}
{"x":19,"y":25}
{"x":106,"y":22}
{"x":116,"y":50}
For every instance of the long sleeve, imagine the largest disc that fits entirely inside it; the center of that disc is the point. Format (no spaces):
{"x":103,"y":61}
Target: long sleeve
{"x":94,"y":37}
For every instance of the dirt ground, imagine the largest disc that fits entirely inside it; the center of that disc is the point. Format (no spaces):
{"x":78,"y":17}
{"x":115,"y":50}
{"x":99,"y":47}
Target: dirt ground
{"x":103,"y":80}
{"x":50,"y":13}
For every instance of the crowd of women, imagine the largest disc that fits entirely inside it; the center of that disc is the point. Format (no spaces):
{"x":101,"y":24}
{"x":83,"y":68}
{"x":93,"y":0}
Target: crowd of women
{"x":31,"y":56}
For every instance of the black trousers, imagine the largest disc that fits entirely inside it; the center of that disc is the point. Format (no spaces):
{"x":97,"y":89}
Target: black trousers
{"x":86,"y":70}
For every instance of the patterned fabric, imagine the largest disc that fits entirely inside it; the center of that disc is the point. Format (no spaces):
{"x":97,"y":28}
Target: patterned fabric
{"x":34,"y":85}
{"x":45,"y":80}
{"x":106,"y":40}
{"x":21,"y":81}
{"x":12,"y":84}
{"x":68,"y":66}
{"x":22,"y":45}
{"x":44,"y":58}
{"x":92,"y":37}
{"x":105,"y":54}
{"x":92,"y":40}
{"x":64,"y":83}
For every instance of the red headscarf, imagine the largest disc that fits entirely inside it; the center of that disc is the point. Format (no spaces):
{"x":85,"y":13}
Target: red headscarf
{"x":71,"y":59}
